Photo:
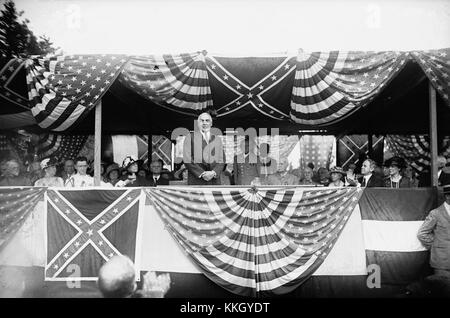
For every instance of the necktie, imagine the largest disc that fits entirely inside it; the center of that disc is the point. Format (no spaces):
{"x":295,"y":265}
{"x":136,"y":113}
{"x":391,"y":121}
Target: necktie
{"x":156,"y":180}
{"x":363,"y":182}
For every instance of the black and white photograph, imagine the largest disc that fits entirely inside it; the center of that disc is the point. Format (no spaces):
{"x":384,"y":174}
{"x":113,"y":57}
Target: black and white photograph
{"x":225,"y":155}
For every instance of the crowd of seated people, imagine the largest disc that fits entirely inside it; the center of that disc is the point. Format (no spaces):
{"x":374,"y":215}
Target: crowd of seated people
{"x":79,"y":172}
{"x":394,"y":173}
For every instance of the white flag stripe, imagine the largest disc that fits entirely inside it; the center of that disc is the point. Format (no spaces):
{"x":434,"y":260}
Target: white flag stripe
{"x":280,"y":281}
{"x":392,"y":236}
{"x":124,"y":145}
{"x":348,"y":256}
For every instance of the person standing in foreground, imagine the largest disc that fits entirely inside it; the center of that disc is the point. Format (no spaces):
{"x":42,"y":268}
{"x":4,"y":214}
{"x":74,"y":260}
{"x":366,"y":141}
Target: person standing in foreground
{"x":434,"y":234}
{"x":203,"y":154}
{"x":117,"y":279}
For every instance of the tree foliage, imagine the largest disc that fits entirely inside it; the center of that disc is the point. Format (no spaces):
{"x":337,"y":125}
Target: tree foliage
{"x":16,"y":38}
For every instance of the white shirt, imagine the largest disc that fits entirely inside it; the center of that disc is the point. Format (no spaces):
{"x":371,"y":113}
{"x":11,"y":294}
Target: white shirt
{"x":366,"y":178}
{"x":78,"y":180}
{"x":447,"y":207}
{"x":206,"y":135}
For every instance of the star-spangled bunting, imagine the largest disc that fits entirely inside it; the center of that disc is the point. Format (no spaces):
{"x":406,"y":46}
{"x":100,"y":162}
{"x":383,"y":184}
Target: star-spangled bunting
{"x":256,"y":242}
{"x":436,"y":65}
{"x":179,"y":82}
{"x":316,"y":149}
{"x":89,"y":231}
{"x":60,"y":147}
{"x":63,"y":89}
{"x":329,"y":86}
{"x":415,"y":149}
{"x":246,"y":95}
{"x":15,"y":206}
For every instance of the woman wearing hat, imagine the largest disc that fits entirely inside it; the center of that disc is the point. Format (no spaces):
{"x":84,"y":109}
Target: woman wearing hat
{"x":48,"y":165}
{"x":131,"y":179}
{"x":112,"y":174}
{"x":395,"y":179}
{"x":336,"y":176}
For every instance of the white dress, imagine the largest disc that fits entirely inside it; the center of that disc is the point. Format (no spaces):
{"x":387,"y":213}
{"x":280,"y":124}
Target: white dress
{"x":49,"y":182}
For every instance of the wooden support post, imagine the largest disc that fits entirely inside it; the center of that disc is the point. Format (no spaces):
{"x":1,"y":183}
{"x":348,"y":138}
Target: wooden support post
{"x":149,"y":149}
{"x":98,"y":143}
{"x":433,"y":135}
{"x":370,"y":146}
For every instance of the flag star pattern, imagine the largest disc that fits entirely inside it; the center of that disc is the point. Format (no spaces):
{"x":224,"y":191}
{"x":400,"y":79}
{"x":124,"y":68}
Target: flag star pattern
{"x":316,"y":149}
{"x":15,"y":206}
{"x":63,"y":89}
{"x":252,"y":95}
{"x":80,"y":236}
{"x":256,"y":242}
{"x":61,"y":147}
{"x":436,"y":65}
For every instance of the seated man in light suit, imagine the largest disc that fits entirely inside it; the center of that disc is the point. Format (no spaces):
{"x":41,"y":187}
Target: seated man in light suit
{"x":203,"y":154}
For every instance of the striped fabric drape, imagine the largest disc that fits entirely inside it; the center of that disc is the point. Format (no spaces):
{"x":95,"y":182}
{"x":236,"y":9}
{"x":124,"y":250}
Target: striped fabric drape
{"x":312,"y":89}
{"x":174,"y":81}
{"x":436,"y":65}
{"x":256,"y":242}
{"x":415,"y":149}
{"x":15,"y":207}
{"x":329,"y":86}
{"x":63,"y":89}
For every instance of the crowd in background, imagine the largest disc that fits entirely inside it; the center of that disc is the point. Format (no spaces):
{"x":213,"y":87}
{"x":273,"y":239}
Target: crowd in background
{"x":394,"y":173}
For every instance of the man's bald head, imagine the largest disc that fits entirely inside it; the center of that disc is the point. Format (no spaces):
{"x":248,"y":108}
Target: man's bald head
{"x":116,"y":278}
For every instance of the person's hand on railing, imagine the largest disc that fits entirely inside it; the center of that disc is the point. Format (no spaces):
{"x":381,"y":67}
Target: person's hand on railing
{"x":155,"y":286}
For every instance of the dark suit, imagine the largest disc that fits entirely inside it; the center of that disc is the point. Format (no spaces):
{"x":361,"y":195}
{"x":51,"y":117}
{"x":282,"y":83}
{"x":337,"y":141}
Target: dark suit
{"x":161,"y":180}
{"x":197,"y":160}
{"x":245,"y":172}
{"x":404,"y":183}
{"x":374,"y":181}
{"x":425,"y":179}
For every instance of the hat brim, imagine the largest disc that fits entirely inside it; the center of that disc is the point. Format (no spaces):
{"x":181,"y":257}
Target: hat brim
{"x":138,"y":162}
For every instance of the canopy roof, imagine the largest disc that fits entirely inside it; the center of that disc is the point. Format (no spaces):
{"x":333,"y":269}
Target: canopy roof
{"x":327,"y":92}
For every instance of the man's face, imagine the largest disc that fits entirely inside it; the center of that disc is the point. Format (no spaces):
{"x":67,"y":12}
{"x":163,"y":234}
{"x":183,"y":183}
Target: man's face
{"x":204,"y":122}
{"x":447,"y":198}
{"x":82,"y":167}
{"x":282,"y":165}
{"x":35,"y":166}
{"x":366,"y":169}
{"x":156,"y":167}
{"x":14,"y":168}
{"x":308,"y":174}
{"x":335,"y":176}
{"x":69,"y":167}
